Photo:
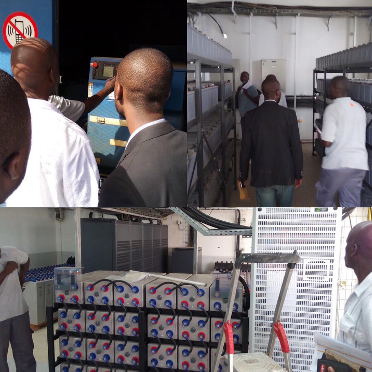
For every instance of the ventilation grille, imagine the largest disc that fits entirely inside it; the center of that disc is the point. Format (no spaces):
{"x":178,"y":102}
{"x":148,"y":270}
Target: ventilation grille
{"x":123,"y":255}
{"x":308,"y":305}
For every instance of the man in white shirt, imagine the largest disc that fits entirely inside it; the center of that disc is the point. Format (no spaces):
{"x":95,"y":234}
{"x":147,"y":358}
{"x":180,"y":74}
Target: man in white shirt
{"x":282,"y":100}
{"x":15,"y":138}
{"x":356,"y":324}
{"x":14,"y":318}
{"x":344,"y":137}
{"x":73,"y":110}
{"x":62,"y":170}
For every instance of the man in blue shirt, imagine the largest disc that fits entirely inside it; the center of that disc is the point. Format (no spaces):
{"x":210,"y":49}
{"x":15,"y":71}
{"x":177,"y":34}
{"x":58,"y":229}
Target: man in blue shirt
{"x":246,"y":95}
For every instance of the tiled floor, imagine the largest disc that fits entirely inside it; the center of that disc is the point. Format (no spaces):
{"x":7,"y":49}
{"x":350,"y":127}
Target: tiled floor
{"x":304,"y":196}
{"x":40,"y":351}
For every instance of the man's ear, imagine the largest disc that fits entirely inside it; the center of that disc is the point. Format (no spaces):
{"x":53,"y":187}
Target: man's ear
{"x":354,"y":250}
{"x":51,"y":76}
{"x":11,"y":165}
{"x":169,"y":95}
{"x":118,"y":91}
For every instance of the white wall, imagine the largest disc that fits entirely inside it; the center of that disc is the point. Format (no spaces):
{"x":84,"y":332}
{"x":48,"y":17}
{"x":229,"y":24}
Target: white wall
{"x":31,"y":230}
{"x":270,"y":43}
{"x":222,"y":248}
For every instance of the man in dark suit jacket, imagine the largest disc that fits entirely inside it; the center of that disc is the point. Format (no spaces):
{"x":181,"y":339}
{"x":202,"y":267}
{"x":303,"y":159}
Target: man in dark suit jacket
{"x":153,"y":169}
{"x":271,"y":140}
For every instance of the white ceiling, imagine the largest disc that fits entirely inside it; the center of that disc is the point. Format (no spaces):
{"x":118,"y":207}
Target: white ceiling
{"x":315,"y":3}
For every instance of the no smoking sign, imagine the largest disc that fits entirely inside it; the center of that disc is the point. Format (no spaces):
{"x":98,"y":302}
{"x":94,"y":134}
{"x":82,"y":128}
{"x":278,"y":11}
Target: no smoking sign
{"x":18,"y":26}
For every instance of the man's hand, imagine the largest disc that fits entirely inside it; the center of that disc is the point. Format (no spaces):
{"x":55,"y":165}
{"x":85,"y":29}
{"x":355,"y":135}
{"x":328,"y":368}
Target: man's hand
{"x":110,"y":84}
{"x":298,"y":183}
{"x":10,"y":267}
{"x":320,"y":137}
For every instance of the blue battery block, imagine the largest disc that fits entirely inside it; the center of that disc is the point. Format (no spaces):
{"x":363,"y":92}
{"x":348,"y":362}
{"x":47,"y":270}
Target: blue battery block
{"x":107,"y":129}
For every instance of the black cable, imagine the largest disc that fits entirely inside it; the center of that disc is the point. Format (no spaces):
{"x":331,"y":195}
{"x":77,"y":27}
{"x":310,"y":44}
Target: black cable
{"x":68,"y":336}
{"x":81,"y":337}
{"x":207,"y":315}
{"x":156,"y":370}
{"x":191,"y":346}
{"x":206,"y":347}
{"x":217,"y":24}
{"x":181,"y":284}
{"x":174,"y":314}
{"x":246,"y":291}
{"x":96,"y":365}
{"x":95,"y":309}
{"x":96,"y":337}
{"x":110,"y":311}
{"x":80,"y":308}
{"x":189,"y":311}
{"x":121,"y":281}
{"x":65,"y":306}
{"x":161,"y":284}
{"x":211,"y":221}
{"x":158,"y":317}
{"x":110,"y":366}
{"x":125,"y":310}
{"x":240,"y":318}
{"x":110,"y":340}
{"x":175,"y":345}
{"x":159,"y":342}
{"x":68,"y":363}
{"x":99,"y":281}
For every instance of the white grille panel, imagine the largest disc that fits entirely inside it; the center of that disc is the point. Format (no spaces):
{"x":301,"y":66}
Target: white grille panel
{"x":308,"y":305}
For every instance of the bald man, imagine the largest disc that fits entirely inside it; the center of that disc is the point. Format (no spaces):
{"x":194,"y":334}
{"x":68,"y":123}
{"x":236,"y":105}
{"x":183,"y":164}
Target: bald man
{"x":344,"y":138}
{"x":271,"y":140}
{"x":356,"y":324}
{"x":152,"y":170}
{"x":282,"y":100}
{"x":15,"y":138}
{"x":62,"y":171}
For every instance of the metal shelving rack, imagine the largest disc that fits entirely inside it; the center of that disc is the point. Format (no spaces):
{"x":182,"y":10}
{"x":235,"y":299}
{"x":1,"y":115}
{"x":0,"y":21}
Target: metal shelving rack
{"x":200,"y":62}
{"x":340,"y":63}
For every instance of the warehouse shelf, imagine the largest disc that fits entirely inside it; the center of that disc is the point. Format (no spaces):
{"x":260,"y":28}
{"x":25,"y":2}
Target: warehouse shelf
{"x":360,"y":56}
{"x":354,"y":60}
{"x":209,"y":123}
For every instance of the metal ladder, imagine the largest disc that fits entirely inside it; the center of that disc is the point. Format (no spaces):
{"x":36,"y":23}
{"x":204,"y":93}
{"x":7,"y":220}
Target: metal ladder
{"x":290,"y":259}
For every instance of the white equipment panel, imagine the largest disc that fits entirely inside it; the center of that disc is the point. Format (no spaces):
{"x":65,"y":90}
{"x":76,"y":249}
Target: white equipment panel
{"x":255,"y":362}
{"x":315,"y":234}
{"x":277,"y":67}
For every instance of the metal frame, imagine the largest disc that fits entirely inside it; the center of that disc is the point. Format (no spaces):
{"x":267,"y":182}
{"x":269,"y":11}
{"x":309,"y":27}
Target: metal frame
{"x":198,"y":68}
{"x":291,"y":260}
{"x":210,"y":232}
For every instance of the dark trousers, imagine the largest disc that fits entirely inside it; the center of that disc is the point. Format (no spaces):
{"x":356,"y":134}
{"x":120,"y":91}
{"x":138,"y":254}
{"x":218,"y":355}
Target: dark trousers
{"x":282,"y":195}
{"x":17,"y":332}
{"x":346,"y":181}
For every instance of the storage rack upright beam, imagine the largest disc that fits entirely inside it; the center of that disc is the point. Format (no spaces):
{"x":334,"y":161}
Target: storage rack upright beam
{"x":220,"y":63}
{"x":338,"y":63}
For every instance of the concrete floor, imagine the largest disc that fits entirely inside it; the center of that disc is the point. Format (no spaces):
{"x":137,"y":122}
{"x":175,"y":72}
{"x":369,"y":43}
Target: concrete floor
{"x":304,"y":196}
{"x":40,"y":351}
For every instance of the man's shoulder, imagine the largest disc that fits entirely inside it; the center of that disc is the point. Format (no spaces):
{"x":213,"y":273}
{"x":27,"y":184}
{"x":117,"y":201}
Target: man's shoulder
{"x":54,"y":122}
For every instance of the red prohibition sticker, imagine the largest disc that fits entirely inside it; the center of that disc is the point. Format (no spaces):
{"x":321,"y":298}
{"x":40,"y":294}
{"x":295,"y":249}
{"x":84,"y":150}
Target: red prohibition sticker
{"x":18,"y":26}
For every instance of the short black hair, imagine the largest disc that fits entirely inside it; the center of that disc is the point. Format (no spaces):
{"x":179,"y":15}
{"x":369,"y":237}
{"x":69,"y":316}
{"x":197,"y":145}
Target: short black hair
{"x":146,"y":74}
{"x":15,"y":118}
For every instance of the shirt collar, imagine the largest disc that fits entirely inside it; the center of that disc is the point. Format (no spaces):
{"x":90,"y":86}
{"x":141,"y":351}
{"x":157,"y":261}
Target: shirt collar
{"x":42,"y":104}
{"x":143,"y":127}
{"x":364,"y":285}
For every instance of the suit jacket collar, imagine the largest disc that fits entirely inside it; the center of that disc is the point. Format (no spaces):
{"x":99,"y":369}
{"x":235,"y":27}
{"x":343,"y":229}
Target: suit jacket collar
{"x":147,"y":134}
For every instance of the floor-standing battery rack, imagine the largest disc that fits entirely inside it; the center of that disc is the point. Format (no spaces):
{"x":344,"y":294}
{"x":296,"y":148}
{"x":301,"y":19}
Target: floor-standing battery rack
{"x":310,"y":302}
{"x":211,"y":122}
{"x":350,"y":61}
{"x":108,"y":324}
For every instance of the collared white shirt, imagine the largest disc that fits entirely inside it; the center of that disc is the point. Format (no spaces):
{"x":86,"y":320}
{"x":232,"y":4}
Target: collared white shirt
{"x":142,"y":127}
{"x":71,"y":109}
{"x":356,"y":324}
{"x":282,"y":101}
{"x":344,"y":124}
{"x":61,"y":170}
{"x":12,"y":302}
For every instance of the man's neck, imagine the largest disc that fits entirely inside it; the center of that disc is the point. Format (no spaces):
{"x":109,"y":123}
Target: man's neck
{"x":35,"y":95}
{"x":362,"y":272}
{"x":136,"y":122}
